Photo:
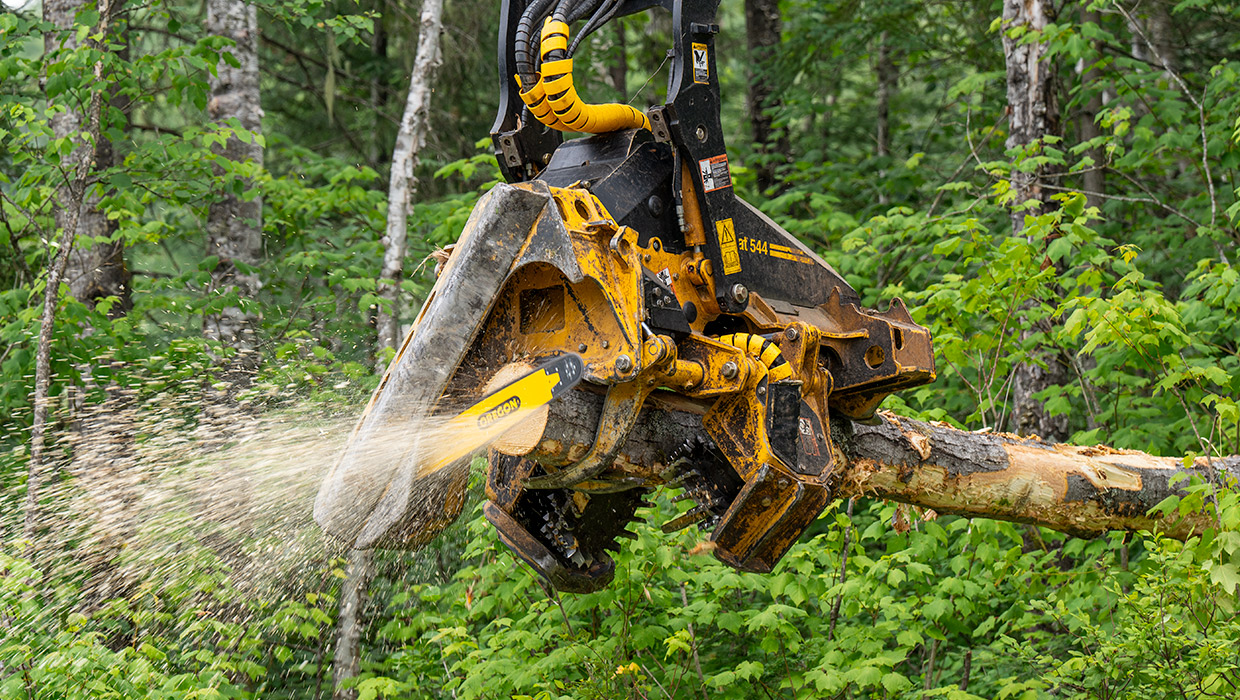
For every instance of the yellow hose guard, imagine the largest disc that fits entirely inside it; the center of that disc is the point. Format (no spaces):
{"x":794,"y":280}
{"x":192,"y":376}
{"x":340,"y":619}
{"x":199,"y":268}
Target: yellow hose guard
{"x":553,"y":99}
{"x":763,"y":349}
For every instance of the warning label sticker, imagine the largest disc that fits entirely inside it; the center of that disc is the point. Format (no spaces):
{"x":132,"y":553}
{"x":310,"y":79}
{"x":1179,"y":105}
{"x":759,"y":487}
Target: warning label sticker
{"x":809,"y":440}
{"x":701,"y":64}
{"x":665,"y":276}
{"x":715,"y":173}
{"x":727,"y":246}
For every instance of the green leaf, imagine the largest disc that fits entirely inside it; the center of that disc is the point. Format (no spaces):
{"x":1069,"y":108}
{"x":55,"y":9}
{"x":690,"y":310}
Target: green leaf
{"x":895,"y":682}
{"x":1226,"y":576}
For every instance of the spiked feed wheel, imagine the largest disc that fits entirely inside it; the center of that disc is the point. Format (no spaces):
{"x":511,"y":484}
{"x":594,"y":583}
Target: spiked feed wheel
{"x":566,"y":535}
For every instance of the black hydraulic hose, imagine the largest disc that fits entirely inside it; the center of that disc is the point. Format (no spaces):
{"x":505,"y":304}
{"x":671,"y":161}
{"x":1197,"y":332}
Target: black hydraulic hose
{"x":583,"y":9}
{"x":604,"y":14}
{"x":531,"y":18}
{"x":562,"y":10}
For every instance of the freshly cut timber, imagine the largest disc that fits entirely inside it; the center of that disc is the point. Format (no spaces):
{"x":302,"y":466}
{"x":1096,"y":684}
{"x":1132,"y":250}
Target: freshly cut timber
{"x":629,"y":250}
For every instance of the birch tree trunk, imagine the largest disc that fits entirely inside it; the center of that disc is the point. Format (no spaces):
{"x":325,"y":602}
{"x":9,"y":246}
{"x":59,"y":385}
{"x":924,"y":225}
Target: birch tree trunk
{"x":1033,"y":115}
{"x":234,"y":223}
{"x":763,"y":26}
{"x":83,"y":129}
{"x":346,"y":662}
{"x":409,"y":141}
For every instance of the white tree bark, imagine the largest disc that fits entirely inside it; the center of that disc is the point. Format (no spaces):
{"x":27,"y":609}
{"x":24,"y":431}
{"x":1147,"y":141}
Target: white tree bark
{"x":403,"y":185}
{"x":347,"y":661}
{"x":234,"y":224}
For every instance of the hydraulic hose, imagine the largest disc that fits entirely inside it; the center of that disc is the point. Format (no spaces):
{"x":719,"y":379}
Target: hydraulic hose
{"x":602,"y":15}
{"x":763,"y":349}
{"x":554,"y":101}
{"x":532,"y":16}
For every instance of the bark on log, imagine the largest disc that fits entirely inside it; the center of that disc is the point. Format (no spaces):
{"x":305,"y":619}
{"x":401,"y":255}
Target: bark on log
{"x":1083,"y":491}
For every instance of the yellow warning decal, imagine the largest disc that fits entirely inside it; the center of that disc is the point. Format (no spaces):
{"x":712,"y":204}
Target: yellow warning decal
{"x":701,"y":63}
{"x":727,"y":246}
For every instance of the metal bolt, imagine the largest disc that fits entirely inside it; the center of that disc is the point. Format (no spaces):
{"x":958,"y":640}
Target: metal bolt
{"x":761,"y":391}
{"x":792,"y":334}
{"x":675,"y":276}
{"x":729,"y":370}
{"x":581,"y":347}
{"x":624,"y":363}
{"x":740,"y":294}
{"x":605,"y":344}
{"x":701,"y":133}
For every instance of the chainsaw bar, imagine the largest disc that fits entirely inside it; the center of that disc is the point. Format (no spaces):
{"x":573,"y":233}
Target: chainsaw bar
{"x":504,"y":409}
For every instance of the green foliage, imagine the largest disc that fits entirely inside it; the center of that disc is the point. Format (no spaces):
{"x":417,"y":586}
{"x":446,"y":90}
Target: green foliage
{"x":1135,"y":288}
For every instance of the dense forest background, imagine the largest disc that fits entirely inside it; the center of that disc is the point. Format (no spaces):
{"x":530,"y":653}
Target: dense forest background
{"x":198,"y":261}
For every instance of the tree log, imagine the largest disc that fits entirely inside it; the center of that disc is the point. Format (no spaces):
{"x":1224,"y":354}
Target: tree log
{"x":1083,"y":491}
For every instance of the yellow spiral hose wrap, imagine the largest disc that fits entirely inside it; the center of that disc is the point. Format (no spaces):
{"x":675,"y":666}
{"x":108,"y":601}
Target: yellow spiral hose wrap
{"x":535,"y":97}
{"x":553,"y":99}
{"x":763,"y":349}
